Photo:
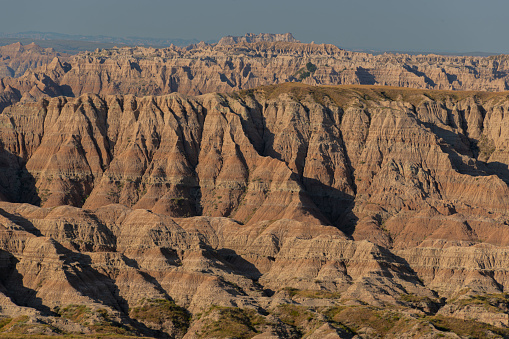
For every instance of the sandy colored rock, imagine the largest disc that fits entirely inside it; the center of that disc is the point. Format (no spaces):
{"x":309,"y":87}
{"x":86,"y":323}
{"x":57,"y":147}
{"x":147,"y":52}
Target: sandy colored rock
{"x":238,"y":63}
{"x":277,"y":211}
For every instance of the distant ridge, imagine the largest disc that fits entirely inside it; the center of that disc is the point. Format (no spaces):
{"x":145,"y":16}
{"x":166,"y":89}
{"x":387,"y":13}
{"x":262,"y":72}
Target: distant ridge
{"x":131,"y":41}
{"x":72,"y":44}
{"x":262,"y":37}
{"x":449,"y":53}
{"x":68,"y":43}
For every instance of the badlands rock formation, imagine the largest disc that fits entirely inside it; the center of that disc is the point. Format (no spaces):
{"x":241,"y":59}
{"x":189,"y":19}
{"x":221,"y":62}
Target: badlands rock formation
{"x":283,"y":211}
{"x":15,"y":59}
{"x":250,"y":37}
{"x":247,"y":62}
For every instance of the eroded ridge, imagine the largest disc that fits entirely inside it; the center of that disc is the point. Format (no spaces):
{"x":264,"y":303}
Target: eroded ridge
{"x":292,"y":207}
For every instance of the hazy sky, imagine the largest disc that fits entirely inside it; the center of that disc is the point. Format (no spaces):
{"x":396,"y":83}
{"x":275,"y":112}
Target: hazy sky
{"x":406,"y":25}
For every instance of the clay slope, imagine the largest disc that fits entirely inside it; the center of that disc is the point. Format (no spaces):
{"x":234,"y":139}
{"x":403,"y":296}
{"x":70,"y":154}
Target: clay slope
{"x":288,"y":207}
{"x":353,"y":157}
{"x":247,"y":62}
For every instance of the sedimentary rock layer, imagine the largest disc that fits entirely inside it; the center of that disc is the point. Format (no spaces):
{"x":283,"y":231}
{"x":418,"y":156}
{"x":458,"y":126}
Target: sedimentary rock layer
{"x":354,"y":157}
{"x":16,"y":59}
{"x":256,"y":199}
{"x":247,"y":62}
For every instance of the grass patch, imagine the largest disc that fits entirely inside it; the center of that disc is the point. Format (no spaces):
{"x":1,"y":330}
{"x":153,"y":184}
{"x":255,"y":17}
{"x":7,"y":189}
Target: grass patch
{"x":486,"y":148}
{"x":342,"y":95}
{"x":293,"y":315}
{"x":4,"y":322}
{"x":357,"y":317}
{"x":491,"y":302}
{"x":15,"y":324}
{"x":178,"y":201}
{"x":75,"y":313}
{"x":311,"y":294}
{"x":232,"y":322}
{"x":311,"y":68}
{"x":468,"y":328}
{"x":98,"y":320}
{"x":20,"y":328}
{"x":412,"y":298}
{"x":305,"y":72}
{"x":159,"y":311}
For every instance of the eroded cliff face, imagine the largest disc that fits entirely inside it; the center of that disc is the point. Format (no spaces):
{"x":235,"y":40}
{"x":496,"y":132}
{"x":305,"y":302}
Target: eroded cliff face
{"x":289,"y":194}
{"x":243,"y":63}
{"x":16,"y":59}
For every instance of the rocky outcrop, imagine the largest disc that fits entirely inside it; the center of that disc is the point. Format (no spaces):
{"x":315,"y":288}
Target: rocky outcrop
{"x":280,"y":205}
{"x":248,"y":62}
{"x":373,"y":161}
{"x":16,"y":59}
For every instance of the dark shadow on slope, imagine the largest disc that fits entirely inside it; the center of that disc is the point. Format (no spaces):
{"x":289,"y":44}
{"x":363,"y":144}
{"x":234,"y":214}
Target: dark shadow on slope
{"x":239,"y":264}
{"x":9,"y":98}
{"x":223,"y":78}
{"x":347,"y":221}
{"x":227,"y":260}
{"x":396,"y":265}
{"x":427,"y":80}
{"x":15,"y":288}
{"x":135,"y":66}
{"x":331,"y":202}
{"x":26,"y":224}
{"x":472,"y":167}
{"x":16,"y":183}
{"x":90,"y":282}
{"x":134,"y":264}
{"x":324,"y":202}
{"x":111,"y":245}
{"x":364,"y":76}
{"x":99,"y":287}
{"x":452,"y":78}
{"x":499,"y":169}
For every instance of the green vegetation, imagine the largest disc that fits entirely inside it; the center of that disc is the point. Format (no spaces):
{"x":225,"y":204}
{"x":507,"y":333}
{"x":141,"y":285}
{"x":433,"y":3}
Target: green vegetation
{"x":295,"y":320}
{"x":311,"y":294}
{"x":98,"y":321}
{"x":311,"y":67}
{"x":159,"y":311}
{"x":292,"y":315}
{"x":232,"y":322}
{"x":351,"y":95}
{"x":355,"y":318}
{"x":486,"y":148}
{"x":305,"y":72}
{"x":178,"y":201}
{"x":389,"y":321}
{"x":104,"y":328}
{"x":43,"y":194}
{"x":302,"y":74}
{"x":331,"y":312}
{"x":243,"y":94}
{"x":4,"y":322}
{"x":76,"y":313}
{"x":20,"y":328}
{"x":107,"y":325}
{"x":467,"y":328}
{"x":497,"y":303}
{"x":412,"y":298}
